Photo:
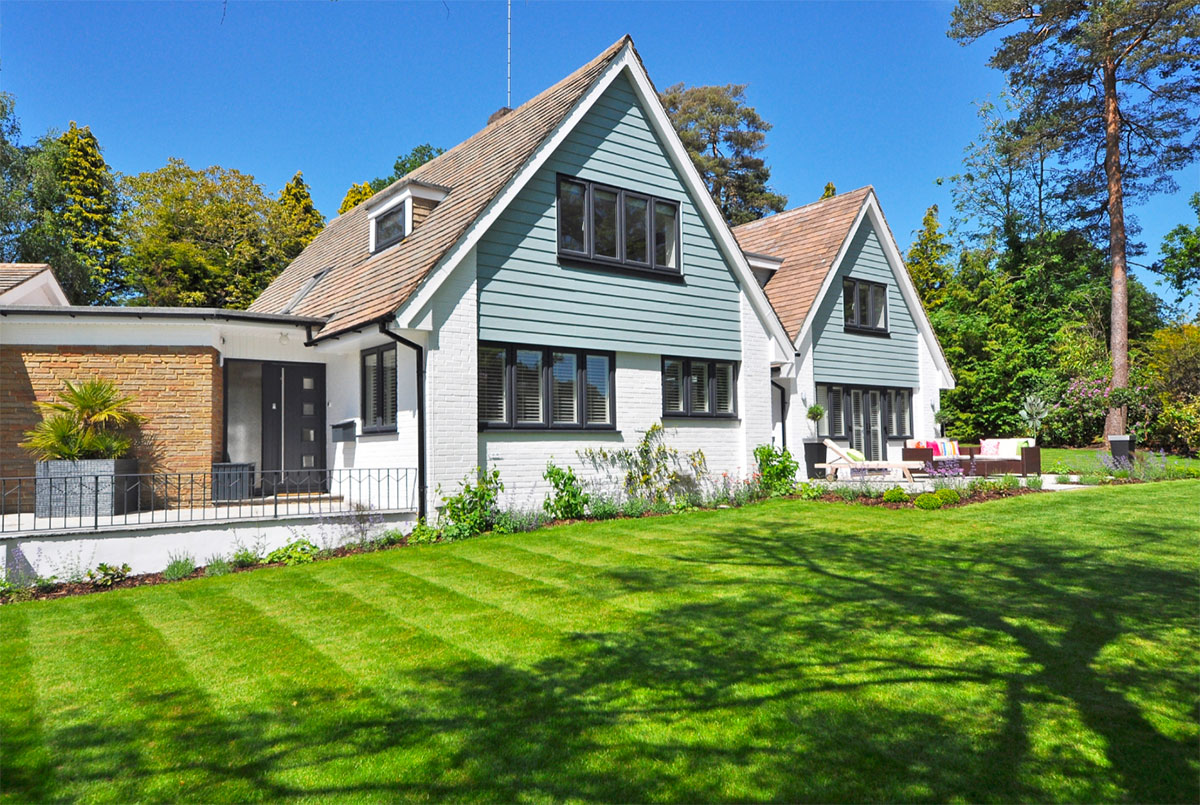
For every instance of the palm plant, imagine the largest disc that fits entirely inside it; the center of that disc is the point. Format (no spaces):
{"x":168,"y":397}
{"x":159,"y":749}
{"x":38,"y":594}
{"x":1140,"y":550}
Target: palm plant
{"x":86,"y":422}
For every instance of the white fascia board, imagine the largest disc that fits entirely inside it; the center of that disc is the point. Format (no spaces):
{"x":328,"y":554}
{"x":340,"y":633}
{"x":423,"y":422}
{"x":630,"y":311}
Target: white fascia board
{"x":43,"y":282}
{"x":763,"y":263}
{"x":870,"y":209}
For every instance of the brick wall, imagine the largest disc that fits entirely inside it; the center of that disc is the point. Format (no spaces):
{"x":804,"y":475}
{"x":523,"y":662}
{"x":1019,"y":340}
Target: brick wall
{"x":178,"y":390}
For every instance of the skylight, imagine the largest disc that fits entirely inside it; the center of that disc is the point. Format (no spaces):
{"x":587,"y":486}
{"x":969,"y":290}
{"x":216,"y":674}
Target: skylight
{"x":304,"y":289}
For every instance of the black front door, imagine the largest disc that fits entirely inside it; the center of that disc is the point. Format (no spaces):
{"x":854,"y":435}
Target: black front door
{"x":293,"y":427}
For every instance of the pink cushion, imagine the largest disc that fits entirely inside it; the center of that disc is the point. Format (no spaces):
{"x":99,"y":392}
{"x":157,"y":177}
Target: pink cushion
{"x":989,"y":447}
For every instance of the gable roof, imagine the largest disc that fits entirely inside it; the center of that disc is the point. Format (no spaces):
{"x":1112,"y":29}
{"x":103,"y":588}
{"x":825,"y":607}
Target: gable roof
{"x":361,"y":288}
{"x":808,"y":239}
{"x":13,"y":274}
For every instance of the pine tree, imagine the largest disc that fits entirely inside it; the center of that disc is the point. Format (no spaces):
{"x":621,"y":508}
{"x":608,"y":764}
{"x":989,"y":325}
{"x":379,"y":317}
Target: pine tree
{"x":927,"y":265}
{"x":829,"y":192}
{"x":357,"y":194}
{"x":725,"y":137}
{"x":301,"y":220}
{"x":89,"y":214}
{"x":1114,"y":86}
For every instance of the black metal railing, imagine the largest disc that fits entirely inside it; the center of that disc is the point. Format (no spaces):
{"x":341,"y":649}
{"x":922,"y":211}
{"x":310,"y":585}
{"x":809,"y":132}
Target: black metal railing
{"x":94,"y":502}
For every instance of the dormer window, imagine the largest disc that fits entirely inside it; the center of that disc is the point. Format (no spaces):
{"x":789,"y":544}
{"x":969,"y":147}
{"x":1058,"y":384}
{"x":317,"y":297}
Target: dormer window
{"x":390,"y":226}
{"x":399,"y":209}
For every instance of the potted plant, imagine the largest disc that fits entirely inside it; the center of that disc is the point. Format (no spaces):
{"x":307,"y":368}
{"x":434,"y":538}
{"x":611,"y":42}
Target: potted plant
{"x":82,"y":444}
{"x":814,"y":448}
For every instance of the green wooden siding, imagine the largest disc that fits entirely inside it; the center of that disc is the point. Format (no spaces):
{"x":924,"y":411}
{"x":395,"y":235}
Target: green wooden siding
{"x":526,"y":296}
{"x":839,"y":356}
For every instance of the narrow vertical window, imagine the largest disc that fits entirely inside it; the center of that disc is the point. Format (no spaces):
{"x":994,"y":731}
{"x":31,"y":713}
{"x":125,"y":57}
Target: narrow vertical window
{"x":666,"y":235}
{"x":378,"y":369}
{"x":604,"y":222}
{"x":878,"y":306}
{"x":564,"y":401}
{"x":723,"y":383}
{"x":823,"y":401}
{"x":387,"y":382}
{"x":637,"y":245}
{"x":370,"y":388}
{"x":493,"y":397}
{"x":848,"y":297}
{"x":572,"y":216}
{"x":528,"y":388}
{"x":598,"y":397}
{"x":863,"y":305}
{"x":837,"y":416}
{"x":673,"y":386}
{"x":698,"y":387}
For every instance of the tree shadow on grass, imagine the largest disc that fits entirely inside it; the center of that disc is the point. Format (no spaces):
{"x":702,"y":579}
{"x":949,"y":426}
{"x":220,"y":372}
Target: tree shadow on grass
{"x":800,"y":666}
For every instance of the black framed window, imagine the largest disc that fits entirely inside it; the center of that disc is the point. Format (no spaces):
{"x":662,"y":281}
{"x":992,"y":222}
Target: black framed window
{"x":838,"y":421}
{"x":699,"y":388}
{"x":865,"y":306}
{"x":378,"y":370}
{"x":536,"y":387}
{"x":389,"y":226}
{"x":610,"y":226}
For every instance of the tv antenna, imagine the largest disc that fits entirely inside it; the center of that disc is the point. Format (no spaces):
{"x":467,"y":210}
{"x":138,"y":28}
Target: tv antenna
{"x":508,"y":97}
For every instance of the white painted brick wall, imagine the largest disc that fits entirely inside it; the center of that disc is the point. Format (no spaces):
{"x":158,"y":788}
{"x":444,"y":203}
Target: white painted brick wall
{"x":927,"y":400}
{"x":453,"y":445}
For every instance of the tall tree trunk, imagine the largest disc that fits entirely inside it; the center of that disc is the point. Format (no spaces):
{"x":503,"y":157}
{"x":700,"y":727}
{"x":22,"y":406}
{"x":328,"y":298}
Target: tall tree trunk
{"x":1115,"y":423}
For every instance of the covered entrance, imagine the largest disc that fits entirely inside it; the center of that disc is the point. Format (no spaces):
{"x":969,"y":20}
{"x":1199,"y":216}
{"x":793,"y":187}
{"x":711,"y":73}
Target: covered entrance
{"x":275,"y":421}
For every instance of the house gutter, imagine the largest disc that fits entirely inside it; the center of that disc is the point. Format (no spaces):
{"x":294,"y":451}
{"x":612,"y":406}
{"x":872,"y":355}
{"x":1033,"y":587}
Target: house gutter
{"x":422,"y":504}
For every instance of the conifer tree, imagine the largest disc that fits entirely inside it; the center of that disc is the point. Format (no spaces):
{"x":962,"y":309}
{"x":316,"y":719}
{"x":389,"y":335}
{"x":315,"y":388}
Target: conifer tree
{"x":89,"y":215}
{"x":301,"y":220}
{"x":927,"y":264}
{"x":357,"y":194}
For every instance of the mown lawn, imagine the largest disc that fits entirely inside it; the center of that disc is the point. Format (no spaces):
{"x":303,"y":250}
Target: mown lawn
{"x":1086,"y":460}
{"x":1041,"y":648}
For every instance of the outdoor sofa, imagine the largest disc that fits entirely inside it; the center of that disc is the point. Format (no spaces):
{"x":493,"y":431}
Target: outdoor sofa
{"x":991,"y":457}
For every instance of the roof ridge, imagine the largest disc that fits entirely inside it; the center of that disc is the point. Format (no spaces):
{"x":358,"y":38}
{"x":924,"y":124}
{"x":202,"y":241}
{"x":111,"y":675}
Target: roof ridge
{"x":788,"y":213}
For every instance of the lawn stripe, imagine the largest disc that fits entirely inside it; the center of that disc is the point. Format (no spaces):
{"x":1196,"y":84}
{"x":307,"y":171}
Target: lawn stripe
{"x":475,"y":626}
{"x":561,"y":609}
{"x":26,"y":771}
{"x":126,"y":712}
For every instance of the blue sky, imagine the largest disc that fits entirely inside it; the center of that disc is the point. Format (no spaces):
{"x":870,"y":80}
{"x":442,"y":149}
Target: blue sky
{"x":858,"y":92}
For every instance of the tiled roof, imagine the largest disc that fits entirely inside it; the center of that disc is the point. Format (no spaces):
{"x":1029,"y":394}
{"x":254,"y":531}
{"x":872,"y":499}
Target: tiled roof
{"x":808,"y":239}
{"x":361,"y":287}
{"x":13,"y":274}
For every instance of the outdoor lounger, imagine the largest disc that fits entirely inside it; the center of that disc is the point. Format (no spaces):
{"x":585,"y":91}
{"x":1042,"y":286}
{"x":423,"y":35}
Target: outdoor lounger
{"x":843,"y":461}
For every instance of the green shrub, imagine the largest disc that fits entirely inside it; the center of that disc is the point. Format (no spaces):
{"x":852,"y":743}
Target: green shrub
{"x":661,"y":507}
{"x":777,"y":470}
{"x":1033,"y":482}
{"x":1091,"y":480}
{"x":569,"y":501}
{"x":107,"y":575}
{"x":896,"y":495}
{"x":423,"y":534}
{"x":179,"y":566}
{"x":246,"y":555}
{"x":1009,"y":481}
{"x":847,"y":493}
{"x":948,"y":496}
{"x":1062,"y":479}
{"x":217,"y":566}
{"x":89,"y":420}
{"x":809,"y":491}
{"x":474,"y":509}
{"x":634,"y":507}
{"x":392,"y":536}
{"x":296,"y":552}
{"x":928,"y":501}
{"x":603,"y":508}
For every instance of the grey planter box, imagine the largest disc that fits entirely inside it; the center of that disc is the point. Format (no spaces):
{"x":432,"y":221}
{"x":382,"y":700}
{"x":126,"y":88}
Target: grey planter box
{"x":232,"y":481}
{"x":89,"y":488}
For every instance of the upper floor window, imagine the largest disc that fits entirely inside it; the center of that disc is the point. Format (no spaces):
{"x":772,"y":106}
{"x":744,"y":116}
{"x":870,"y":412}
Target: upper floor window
{"x":379,"y":389}
{"x":619,"y":227}
{"x":703,"y":388}
{"x":865,"y":306}
{"x":389,"y":227}
{"x":545,"y":387}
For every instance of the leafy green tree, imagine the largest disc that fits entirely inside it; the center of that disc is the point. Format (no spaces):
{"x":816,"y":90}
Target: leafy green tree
{"x":357,"y":194}
{"x":1116,"y":83}
{"x":14,"y":181}
{"x":829,"y":192}
{"x":725,"y":138}
{"x":1180,"y":263}
{"x":406,"y":164}
{"x":202,"y":238}
{"x":927,"y":261}
{"x":301,"y":220}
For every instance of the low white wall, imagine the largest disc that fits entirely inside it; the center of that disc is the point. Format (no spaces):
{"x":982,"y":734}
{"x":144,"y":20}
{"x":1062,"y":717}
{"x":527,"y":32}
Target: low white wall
{"x":148,"y":550}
